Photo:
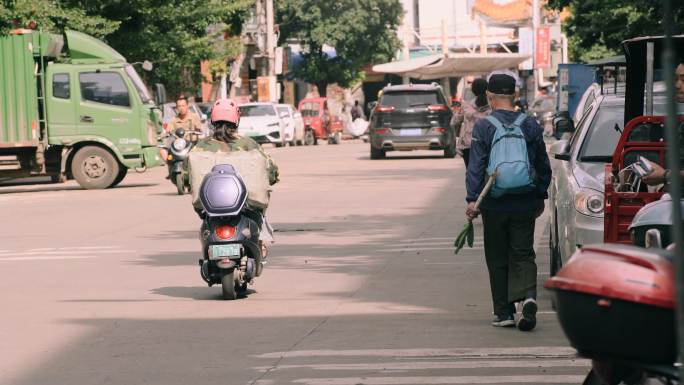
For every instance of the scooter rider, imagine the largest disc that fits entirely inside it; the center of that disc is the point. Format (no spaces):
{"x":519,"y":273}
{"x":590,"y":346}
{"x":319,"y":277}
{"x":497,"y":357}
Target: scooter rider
{"x":225,"y":117}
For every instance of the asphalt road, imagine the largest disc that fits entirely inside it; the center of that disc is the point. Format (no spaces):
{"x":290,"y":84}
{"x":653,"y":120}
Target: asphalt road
{"x":362,"y":286}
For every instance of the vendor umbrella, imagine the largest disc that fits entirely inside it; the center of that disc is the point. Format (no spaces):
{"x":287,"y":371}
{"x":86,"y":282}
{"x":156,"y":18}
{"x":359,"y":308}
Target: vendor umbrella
{"x":468,"y":232}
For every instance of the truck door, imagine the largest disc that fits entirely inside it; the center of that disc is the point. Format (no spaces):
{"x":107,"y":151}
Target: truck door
{"x":61,"y":104}
{"x":106,"y":109}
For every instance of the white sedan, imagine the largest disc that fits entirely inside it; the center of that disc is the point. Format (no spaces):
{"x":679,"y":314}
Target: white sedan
{"x":261,"y":122}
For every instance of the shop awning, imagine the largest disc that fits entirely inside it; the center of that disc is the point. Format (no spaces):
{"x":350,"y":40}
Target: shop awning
{"x":460,"y":64}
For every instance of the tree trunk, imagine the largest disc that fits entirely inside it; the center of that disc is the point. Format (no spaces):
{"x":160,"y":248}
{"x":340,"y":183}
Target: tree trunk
{"x":322,"y":88}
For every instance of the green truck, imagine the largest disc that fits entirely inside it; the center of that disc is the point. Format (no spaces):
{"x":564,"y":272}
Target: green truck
{"x":71,"y":107}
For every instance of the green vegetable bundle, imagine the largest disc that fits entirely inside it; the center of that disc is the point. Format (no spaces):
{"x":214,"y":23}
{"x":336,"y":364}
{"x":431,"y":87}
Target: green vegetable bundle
{"x":468,"y":232}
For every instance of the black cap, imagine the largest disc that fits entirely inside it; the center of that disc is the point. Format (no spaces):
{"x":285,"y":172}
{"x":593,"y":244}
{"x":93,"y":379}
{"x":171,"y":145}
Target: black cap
{"x":501,"y":84}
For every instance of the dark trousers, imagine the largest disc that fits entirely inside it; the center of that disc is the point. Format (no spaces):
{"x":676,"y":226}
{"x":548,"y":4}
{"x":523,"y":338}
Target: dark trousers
{"x":509,"y":251}
{"x":466,"y":156}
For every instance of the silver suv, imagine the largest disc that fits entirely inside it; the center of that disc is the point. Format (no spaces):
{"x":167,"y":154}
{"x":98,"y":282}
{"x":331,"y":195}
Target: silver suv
{"x":577,"y":186}
{"x":411,"y":117}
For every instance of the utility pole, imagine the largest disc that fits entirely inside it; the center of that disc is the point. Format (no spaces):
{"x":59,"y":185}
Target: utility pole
{"x":406,"y":51}
{"x":445,"y":52}
{"x":535,"y":26}
{"x":270,"y":49}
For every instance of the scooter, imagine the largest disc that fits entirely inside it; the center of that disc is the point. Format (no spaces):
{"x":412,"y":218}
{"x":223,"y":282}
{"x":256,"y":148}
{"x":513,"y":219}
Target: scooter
{"x":177,"y":154}
{"x":230,"y":233}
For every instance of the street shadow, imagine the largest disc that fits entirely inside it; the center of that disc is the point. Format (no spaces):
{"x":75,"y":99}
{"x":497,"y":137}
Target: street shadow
{"x":403,"y":157}
{"x":175,"y":234}
{"x":168,"y":259}
{"x":199,"y":293}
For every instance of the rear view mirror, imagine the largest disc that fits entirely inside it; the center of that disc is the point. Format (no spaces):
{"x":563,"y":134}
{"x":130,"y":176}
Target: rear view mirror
{"x":160,"y":94}
{"x":562,"y":123}
{"x":147,"y":65}
{"x":371,"y":105}
{"x":560,"y":150}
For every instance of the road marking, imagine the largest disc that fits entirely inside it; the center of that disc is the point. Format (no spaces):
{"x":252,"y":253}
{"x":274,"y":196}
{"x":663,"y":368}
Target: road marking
{"x":521,"y":352}
{"x":466,"y":248}
{"x":422,"y":365}
{"x":543,"y":379}
{"x":47,"y":258}
{"x":67,"y":252}
{"x":72,"y":248}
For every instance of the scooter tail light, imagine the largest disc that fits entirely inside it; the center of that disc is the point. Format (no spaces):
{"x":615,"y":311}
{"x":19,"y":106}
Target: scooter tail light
{"x":384,"y":109}
{"x":382,"y":131}
{"x":439,"y":130}
{"x":225,"y":231}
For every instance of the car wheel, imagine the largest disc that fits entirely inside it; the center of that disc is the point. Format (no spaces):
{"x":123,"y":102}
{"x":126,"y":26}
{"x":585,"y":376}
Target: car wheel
{"x":450,"y":150}
{"x":94,"y":168}
{"x":309,"y":138}
{"x":377,"y":153}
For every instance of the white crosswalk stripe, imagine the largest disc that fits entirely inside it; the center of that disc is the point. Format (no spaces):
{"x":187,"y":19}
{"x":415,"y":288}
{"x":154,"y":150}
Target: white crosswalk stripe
{"x":539,"y":379}
{"x":526,"y":365}
{"x":61,"y":253}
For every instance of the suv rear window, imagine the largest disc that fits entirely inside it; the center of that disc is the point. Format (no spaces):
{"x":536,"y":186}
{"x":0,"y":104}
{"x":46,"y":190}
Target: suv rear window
{"x":408,"y":99}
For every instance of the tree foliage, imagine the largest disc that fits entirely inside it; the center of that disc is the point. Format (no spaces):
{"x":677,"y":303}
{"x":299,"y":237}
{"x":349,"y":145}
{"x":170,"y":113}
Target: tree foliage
{"x":361,"y":31}
{"x":597,"y":27}
{"x":173,"y":34}
{"x":52,"y":16}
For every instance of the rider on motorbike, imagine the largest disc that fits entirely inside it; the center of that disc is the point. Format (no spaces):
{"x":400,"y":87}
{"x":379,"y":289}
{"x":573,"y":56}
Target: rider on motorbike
{"x":225,"y":117}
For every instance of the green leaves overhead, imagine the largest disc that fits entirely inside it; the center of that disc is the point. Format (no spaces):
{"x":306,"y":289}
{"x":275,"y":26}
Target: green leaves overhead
{"x":597,"y":27}
{"x":51,"y":15}
{"x":171,"y":33}
{"x":361,"y":31}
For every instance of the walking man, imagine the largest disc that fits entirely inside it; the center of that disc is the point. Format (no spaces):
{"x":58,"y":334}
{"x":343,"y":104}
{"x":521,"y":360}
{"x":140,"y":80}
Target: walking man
{"x":509,"y":215}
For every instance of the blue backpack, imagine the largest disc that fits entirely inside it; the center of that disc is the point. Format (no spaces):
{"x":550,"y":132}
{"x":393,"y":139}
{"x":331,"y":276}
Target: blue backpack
{"x":509,"y":159}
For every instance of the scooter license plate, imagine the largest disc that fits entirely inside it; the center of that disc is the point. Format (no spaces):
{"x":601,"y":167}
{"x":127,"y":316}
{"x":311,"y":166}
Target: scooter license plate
{"x":223,"y":251}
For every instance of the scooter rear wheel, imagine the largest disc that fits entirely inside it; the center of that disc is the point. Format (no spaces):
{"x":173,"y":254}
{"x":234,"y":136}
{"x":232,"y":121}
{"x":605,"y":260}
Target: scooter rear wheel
{"x":228,"y":287}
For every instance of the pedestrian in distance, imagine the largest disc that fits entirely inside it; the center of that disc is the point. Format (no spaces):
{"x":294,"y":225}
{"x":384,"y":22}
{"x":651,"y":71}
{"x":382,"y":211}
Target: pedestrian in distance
{"x":471,"y":111}
{"x":510,"y":145}
{"x":357,"y":111}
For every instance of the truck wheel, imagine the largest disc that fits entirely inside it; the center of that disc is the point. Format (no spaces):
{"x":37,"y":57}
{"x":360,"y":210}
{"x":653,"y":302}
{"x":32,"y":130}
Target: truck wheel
{"x":228,"y":287}
{"x":309,"y":138}
{"x":120,"y":177}
{"x":94,"y":167}
{"x":377,"y":154}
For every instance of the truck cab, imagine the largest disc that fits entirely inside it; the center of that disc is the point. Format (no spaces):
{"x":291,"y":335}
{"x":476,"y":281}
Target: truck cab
{"x":95,"y":116}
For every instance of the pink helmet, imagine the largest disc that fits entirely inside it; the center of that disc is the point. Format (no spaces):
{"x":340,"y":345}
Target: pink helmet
{"x":225,"y":110}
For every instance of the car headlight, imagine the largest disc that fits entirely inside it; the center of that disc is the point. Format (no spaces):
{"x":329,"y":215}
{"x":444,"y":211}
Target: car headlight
{"x":589,"y":202}
{"x":179,"y":144}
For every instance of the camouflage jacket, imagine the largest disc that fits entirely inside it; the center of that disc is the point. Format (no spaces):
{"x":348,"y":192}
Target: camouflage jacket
{"x":240,"y":144}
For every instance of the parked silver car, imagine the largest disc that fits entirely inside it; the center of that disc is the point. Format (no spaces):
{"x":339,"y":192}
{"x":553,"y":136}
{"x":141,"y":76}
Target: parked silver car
{"x":577,"y":186}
